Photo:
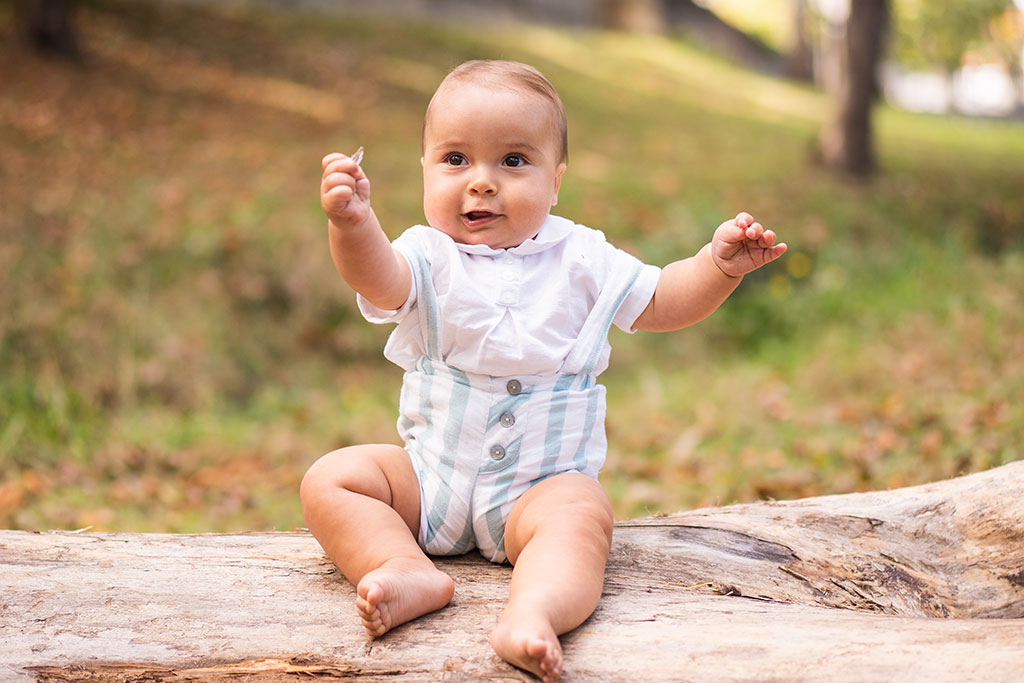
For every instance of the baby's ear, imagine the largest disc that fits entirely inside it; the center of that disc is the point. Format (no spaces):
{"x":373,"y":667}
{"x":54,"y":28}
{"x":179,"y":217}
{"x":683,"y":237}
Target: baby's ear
{"x":558,"y":182}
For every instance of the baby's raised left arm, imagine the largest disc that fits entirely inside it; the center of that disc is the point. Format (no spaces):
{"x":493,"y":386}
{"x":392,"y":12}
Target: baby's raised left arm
{"x":692,"y":289}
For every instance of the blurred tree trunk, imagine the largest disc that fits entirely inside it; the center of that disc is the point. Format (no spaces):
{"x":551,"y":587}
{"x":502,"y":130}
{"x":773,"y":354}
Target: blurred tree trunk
{"x":694,"y":21}
{"x":46,"y":27}
{"x":800,"y":59}
{"x":846,"y":142}
{"x":635,"y":16}
{"x":1005,"y":34}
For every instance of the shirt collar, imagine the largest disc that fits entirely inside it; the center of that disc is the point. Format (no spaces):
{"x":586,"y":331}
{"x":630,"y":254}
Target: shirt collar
{"x":554,"y":230}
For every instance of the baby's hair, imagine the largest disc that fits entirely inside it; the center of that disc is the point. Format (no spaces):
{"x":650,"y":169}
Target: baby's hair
{"x":515,"y":74}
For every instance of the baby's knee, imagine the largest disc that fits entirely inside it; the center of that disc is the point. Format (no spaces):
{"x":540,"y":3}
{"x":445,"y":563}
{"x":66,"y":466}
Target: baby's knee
{"x":316,"y":482}
{"x":366,"y":470}
{"x":340,"y":469}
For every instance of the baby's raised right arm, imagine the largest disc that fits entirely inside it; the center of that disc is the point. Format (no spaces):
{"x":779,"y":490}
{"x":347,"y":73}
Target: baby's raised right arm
{"x":360,"y":249}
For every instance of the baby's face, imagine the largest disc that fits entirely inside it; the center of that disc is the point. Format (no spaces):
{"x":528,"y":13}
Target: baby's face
{"x":491,"y":164}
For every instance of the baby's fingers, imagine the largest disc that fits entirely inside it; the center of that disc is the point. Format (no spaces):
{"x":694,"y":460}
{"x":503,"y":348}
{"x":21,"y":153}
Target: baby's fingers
{"x":766,"y":242}
{"x":777,"y":251}
{"x":339,"y":194}
{"x":743,"y":220}
{"x":773,"y":252}
{"x":338,"y":184}
{"x":330,"y":158}
{"x":333,"y":181}
{"x":344,"y":165}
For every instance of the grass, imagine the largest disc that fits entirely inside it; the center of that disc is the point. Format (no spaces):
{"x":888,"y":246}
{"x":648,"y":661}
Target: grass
{"x":176,"y":349}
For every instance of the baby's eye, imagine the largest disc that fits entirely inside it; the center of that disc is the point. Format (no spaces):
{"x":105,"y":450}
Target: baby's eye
{"x":455,"y":159}
{"x":515,"y":160}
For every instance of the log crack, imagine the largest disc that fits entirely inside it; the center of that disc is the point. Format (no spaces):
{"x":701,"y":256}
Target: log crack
{"x":268,"y":670}
{"x":734,"y":543}
{"x":1015,"y":579}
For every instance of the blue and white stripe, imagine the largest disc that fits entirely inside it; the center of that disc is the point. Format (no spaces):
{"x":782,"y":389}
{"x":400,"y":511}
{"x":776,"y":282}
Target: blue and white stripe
{"x":473,"y":465}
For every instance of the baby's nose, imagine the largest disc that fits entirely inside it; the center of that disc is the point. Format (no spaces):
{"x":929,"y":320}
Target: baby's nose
{"x":482,"y":183}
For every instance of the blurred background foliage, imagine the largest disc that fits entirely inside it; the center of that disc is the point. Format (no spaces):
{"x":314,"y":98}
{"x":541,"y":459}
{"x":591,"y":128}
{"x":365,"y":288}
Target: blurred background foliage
{"x":176,"y":348}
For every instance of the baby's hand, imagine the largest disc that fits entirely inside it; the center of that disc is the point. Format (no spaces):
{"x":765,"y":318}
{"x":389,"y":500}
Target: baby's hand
{"x":741,"y":245}
{"x":344,"y":191}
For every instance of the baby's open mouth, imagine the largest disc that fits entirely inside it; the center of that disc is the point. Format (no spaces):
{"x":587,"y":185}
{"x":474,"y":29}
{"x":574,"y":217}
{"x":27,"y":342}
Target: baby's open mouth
{"x":479,"y":219}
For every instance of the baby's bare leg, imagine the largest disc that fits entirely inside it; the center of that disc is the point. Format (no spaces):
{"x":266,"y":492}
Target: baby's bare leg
{"x":558,"y":537}
{"x":362,"y":505}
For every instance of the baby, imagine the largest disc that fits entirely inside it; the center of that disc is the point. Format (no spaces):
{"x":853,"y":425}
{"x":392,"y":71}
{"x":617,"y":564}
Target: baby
{"x":502,"y":313}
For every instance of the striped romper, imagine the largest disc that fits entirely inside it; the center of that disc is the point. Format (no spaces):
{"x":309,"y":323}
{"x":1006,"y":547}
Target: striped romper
{"x":483,"y":415}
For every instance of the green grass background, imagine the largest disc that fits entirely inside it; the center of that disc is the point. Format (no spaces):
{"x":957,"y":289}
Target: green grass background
{"x":176,"y":348}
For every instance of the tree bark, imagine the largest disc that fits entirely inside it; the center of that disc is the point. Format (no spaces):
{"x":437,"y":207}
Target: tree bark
{"x":923,"y":583}
{"x":633,"y":16}
{"x":847,"y":143}
{"x":800,"y":58}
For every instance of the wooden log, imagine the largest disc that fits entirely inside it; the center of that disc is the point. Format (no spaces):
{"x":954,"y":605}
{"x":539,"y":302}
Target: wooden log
{"x":922,"y":583}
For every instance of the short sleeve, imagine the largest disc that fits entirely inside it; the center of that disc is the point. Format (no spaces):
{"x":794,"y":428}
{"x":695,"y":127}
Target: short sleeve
{"x":639,"y":295}
{"x":382,"y":316}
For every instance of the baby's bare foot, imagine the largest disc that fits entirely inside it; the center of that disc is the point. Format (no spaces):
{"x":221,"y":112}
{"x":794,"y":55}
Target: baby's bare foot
{"x":400,"y":590}
{"x":529,"y":643}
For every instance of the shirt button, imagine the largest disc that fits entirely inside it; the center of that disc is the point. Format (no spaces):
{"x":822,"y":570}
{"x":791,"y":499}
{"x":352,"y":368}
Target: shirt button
{"x":514,"y":386}
{"x":507,"y":419}
{"x":507,"y":298}
{"x":497,"y":452}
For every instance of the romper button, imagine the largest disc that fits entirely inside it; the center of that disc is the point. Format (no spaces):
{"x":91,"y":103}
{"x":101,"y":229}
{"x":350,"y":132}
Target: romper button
{"x":514,"y":387}
{"x":497,"y":452}
{"x":507,"y":419}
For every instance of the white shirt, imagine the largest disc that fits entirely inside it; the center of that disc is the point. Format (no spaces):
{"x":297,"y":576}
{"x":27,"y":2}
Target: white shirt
{"x":516,"y":311}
